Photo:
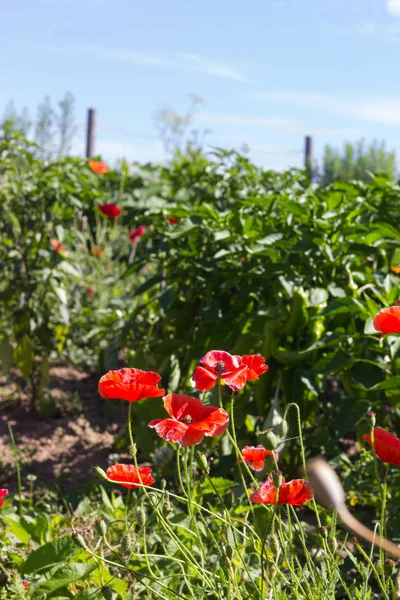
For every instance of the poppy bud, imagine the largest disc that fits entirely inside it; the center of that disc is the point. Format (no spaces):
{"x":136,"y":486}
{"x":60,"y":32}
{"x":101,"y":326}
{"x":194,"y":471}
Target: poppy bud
{"x":229,"y":551}
{"x":107,"y":593}
{"x":78,"y":540}
{"x":202,"y":462}
{"x":277,"y":478}
{"x":274,"y":544}
{"x":270,"y":441}
{"x":370,"y":417}
{"x":283,"y":428}
{"x":167,"y":508}
{"x":163,"y":484}
{"x":323,"y":532}
{"x":126,"y":545}
{"x":332,"y":543}
{"x":141,"y":517}
{"x":101,"y":527}
{"x":388,"y":567}
{"x":102,"y":474}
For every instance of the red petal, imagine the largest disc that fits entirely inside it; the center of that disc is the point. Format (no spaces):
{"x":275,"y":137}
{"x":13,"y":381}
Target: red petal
{"x":256,"y":465}
{"x":214,"y":422}
{"x":236,"y":380}
{"x":169,"y":429}
{"x":256,"y":365}
{"x":130,"y":384}
{"x":180,"y":406}
{"x":214,"y":357}
{"x":387,"y":446}
{"x":388,"y":320}
{"x":255,"y":453}
{"x":296,"y":492}
{"x":192,"y":437}
{"x":129,"y":473}
{"x":203,"y":379}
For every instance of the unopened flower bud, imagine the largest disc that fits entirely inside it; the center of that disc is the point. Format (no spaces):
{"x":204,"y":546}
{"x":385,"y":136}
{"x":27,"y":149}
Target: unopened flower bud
{"x":101,"y":527}
{"x":229,"y":551}
{"x":323,"y":532}
{"x":163,"y":484}
{"x":283,"y":428}
{"x":332,"y":543}
{"x":107,"y":593}
{"x":274,"y":544}
{"x":78,"y":540}
{"x":379,"y":567}
{"x":277,"y":478}
{"x":202,"y":461}
{"x":167,"y":508}
{"x":102,"y":474}
{"x":126,"y":546}
{"x":270,"y":441}
{"x":370,"y":417}
{"x":141,"y":517}
{"x":389,"y":566}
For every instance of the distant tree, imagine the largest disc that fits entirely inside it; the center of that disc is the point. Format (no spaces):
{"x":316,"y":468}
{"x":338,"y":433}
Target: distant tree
{"x":54,"y":129}
{"x":13,"y":122}
{"x":356,"y":161}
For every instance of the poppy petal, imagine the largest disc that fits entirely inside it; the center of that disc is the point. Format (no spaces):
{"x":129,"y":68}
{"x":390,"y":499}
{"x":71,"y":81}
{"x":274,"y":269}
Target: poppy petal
{"x":236,"y":380}
{"x":179,"y":406}
{"x":387,"y":446}
{"x":295,"y":492}
{"x":122,"y":474}
{"x":256,"y":365}
{"x":192,"y":436}
{"x":204,"y":379}
{"x":214,"y":358}
{"x":130,"y":384}
{"x":169,"y":429}
{"x":214,"y":422}
{"x":388,"y":320}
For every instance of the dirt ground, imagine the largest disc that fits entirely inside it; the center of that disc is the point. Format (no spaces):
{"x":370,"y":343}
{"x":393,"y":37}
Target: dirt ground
{"x":64,"y":446}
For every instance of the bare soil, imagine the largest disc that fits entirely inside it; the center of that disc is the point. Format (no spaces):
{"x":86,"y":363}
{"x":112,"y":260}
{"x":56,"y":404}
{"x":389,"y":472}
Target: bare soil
{"x":62,"y":444}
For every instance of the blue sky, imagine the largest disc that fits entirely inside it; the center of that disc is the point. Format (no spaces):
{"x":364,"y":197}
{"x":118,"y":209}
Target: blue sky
{"x":269,"y":71}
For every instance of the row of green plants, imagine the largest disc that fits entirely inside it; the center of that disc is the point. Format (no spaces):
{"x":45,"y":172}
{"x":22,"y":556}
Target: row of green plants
{"x":208,"y":536}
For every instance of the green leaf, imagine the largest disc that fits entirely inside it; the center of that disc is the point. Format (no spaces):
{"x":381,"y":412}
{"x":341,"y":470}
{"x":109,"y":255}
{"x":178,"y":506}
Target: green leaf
{"x":222,"y":485}
{"x":18,"y":530}
{"x":24,"y":355}
{"x":50,"y":554}
{"x":6,"y":355}
{"x":60,"y":578}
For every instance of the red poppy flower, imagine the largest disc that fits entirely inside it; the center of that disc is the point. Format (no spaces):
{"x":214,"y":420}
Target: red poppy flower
{"x":98,"y":166}
{"x":96,"y":251}
{"x":137,"y":233}
{"x":190,"y":420}
{"x":218,"y":363}
{"x":296,"y":492}
{"x":388,"y":320}
{"x":58,"y":247}
{"x":110,"y":210}
{"x":130,"y":384}
{"x":3,"y":492}
{"x":90,"y":291}
{"x":387,"y":446}
{"x":255,"y":456}
{"x":256,"y":365}
{"x":172,"y":220}
{"x":130,"y":474}
{"x":25,"y":584}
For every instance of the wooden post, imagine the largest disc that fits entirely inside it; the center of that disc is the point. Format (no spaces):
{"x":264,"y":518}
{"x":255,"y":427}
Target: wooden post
{"x":90,"y":130}
{"x":308,"y":152}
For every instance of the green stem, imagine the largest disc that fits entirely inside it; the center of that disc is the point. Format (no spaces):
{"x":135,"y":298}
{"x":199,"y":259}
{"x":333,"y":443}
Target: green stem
{"x":383,"y":510}
{"x":17,"y":466}
{"x":373,"y":569}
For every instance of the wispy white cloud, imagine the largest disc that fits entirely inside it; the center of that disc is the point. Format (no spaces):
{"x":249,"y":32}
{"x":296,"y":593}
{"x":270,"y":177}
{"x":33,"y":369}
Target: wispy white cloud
{"x":282,"y":124}
{"x":393,"y":7}
{"x":182,"y":61}
{"x":386,"y":111}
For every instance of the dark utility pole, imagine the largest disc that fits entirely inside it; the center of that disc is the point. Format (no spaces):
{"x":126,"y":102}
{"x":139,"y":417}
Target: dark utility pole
{"x":90,"y":130}
{"x":308,"y":152}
